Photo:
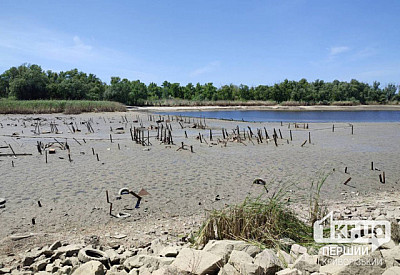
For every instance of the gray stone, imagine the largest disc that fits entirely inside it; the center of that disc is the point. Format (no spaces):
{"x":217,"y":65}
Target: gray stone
{"x":268,"y":261}
{"x":285,"y":257}
{"x":55,"y":245}
{"x":297,"y":250}
{"x":146,"y":261}
{"x":157,"y":246}
{"x":243,"y":263}
{"x":2,"y":201}
{"x":66,"y":270}
{"x":391,"y":256}
{"x":5,"y":270}
{"x":170,"y":251}
{"x":197,"y":261}
{"x":288,"y":271}
{"x":27,"y":261}
{"x":307,"y":263}
{"x":113,"y":255}
{"x":90,"y":268}
{"x":70,"y":250}
{"x":394,"y":270}
{"x":40,"y":265}
{"x":228,"y":269}
{"x":388,"y":245}
{"x":347,"y":264}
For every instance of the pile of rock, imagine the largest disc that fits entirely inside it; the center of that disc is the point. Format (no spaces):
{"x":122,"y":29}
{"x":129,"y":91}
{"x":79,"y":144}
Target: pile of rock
{"x":222,"y":257}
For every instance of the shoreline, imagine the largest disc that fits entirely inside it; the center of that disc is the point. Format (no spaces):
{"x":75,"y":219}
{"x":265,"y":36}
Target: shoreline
{"x":268,"y":108}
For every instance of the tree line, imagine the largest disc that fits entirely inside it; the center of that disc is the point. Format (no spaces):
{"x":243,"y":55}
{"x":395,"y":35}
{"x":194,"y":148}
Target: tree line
{"x":28,"y":82}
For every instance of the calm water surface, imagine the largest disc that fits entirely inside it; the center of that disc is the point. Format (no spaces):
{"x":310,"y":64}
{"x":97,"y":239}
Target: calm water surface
{"x":295,"y":116}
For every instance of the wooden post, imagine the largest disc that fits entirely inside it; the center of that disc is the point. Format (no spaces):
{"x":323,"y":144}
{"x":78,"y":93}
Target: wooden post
{"x":200,"y":138}
{"x":69,"y":157}
{"x":352,"y":129}
{"x":211,"y":135}
{"x":97,"y":156}
{"x":345,"y":170}
{"x":383,"y":177}
{"x":280,"y":134}
{"x":333,"y":128}
{"x":12,"y":163}
{"x":223,"y":133}
{"x":93,"y":151}
{"x":186,"y":135}
{"x":111,"y":138}
{"x":130,"y":129}
{"x":191,"y":148}
{"x":119,"y":148}
{"x":309,"y":137}
{"x":290,"y":131}
{"x":45,"y":152}
{"x":372,"y":165}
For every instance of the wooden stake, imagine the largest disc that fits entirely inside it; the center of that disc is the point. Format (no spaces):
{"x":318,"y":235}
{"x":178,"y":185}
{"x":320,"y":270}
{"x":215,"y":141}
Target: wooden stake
{"x":290,"y":131}
{"x":45,"y":152}
{"x":309,"y":137}
{"x":372,"y":165}
{"x":97,"y":156}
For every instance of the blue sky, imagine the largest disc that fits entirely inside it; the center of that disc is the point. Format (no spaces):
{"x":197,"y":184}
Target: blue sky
{"x":249,"y":42}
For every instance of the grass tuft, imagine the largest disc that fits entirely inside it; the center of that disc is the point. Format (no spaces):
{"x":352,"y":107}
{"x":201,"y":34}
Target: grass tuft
{"x":260,"y":221}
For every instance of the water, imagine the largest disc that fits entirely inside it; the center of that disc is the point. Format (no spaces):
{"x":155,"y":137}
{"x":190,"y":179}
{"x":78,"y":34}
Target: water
{"x":295,"y":116}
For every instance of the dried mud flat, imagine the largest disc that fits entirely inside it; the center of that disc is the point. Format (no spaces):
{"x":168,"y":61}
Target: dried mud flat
{"x":182,"y":185}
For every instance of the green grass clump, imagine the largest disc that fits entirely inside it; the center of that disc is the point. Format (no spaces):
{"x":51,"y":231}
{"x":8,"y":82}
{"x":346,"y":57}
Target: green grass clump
{"x":260,"y":221}
{"x":8,"y":106}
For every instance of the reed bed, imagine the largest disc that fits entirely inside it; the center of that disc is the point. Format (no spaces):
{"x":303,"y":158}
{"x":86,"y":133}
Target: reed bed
{"x":58,"y":106}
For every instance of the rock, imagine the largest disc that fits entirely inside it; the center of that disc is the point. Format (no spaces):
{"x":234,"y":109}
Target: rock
{"x":5,"y":270}
{"x":55,"y":245}
{"x":146,"y":261}
{"x":307,"y":264}
{"x":284,"y":257}
{"x":268,"y":261}
{"x":67,"y":270}
{"x":221,"y":248}
{"x":288,"y":271}
{"x":90,"y":268}
{"x":394,"y":270}
{"x":224,"y":248}
{"x":167,"y":270}
{"x":297,"y":250}
{"x":157,"y":246}
{"x":113,"y":255}
{"x":52,"y":268}
{"x":348,"y":264}
{"x":391,"y":256}
{"x":70,"y":250}
{"x":228,"y":269}
{"x":27,"y":261}
{"x":243,"y":263}
{"x":169,"y":251}
{"x":388,"y":245}
{"x":40,"y":265}
{"x":2,"y":201}
{"x":197,"y":261}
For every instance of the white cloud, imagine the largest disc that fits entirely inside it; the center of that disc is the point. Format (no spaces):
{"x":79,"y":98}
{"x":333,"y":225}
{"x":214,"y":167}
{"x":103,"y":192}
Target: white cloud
{"x":338,"y":50}
{"x":210,"y":67}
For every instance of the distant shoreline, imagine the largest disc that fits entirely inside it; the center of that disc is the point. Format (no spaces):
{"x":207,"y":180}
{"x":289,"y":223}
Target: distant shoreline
{"x":267,"y":108}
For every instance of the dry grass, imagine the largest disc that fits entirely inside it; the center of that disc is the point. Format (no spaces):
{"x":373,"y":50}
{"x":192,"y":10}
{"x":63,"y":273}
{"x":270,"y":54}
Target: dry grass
{"x":264,"y":222}
{"x":58,"y":106}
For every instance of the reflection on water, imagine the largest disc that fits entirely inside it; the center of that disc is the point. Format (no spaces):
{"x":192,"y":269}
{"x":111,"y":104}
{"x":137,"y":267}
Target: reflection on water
{"x":295,"y":116}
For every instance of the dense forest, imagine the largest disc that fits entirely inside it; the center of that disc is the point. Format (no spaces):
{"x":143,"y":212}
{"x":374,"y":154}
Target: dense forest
{"x":28,"y":82}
